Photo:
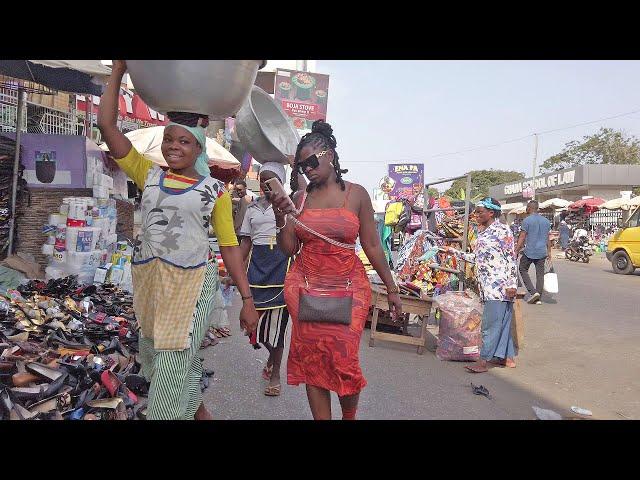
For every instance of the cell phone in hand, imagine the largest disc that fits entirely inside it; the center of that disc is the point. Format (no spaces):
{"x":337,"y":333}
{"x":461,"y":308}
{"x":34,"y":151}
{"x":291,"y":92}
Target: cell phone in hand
{"x":274,"y":185}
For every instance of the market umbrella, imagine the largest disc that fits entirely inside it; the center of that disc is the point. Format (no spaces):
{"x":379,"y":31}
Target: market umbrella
{"x":224,"y":166}
{"x":589,"y":205}
{"x":554,"y":203}
{"x":518,"y":210}
{"x":621,"y":203}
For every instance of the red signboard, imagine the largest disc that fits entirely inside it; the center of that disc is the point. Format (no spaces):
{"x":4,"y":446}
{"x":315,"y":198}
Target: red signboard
{"x":302,"y":95}
{"x":131,"y":109}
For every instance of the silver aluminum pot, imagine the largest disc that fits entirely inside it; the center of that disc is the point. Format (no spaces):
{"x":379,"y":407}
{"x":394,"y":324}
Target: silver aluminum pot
{"x":264,"y":129}
{"x":214,"y":87}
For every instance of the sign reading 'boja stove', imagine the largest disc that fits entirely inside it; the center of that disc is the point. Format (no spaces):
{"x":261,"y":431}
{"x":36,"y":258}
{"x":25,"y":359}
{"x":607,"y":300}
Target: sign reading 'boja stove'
{"x":303,"y":96}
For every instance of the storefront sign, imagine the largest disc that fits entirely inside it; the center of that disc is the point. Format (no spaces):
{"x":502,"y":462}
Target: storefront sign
{"x":405,"y":180}
{"x":131,"y":109}
{"x":303,"y":96}
{"x":553,"y":180}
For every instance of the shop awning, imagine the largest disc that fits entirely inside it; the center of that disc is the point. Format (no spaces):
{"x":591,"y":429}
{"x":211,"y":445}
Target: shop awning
{"x":90,"y":67}
{"x":64,"y":78}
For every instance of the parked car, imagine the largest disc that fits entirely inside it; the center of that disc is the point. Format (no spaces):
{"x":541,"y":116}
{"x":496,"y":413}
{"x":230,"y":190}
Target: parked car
{"x":623,"y":250}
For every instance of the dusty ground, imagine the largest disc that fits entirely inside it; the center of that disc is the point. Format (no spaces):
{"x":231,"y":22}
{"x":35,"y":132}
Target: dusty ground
{"x":581,"y":348}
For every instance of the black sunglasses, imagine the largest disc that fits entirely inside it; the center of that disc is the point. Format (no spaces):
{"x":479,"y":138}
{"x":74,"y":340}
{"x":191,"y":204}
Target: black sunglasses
{"x":310,"y":162}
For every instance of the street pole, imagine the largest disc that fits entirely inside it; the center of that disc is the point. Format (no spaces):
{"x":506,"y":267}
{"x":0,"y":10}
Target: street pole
{"x":22,"y":98}
{"x":535,"y":164}
{"x":90,"y":116}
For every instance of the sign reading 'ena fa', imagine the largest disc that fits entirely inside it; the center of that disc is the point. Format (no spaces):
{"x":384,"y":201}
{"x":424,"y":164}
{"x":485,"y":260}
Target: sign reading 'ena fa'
{"x":547,"y":181}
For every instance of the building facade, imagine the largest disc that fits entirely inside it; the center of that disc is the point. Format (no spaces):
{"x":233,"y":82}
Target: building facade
{"x":572,"y":184}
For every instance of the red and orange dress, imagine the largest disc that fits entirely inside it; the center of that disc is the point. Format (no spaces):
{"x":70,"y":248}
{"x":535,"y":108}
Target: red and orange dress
{"x":322,"y":354}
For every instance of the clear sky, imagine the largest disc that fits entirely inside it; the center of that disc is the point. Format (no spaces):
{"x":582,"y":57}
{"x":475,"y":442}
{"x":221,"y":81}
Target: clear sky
{"x":394,"y":111}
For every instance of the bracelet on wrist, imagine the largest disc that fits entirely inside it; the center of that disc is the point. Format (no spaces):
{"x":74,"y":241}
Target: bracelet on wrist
{"x":279,"y":229}
{"x":395,"y":289}
{"x":247,"y":298}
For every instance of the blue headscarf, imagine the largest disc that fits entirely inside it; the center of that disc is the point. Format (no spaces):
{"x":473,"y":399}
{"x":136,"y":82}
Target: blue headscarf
{"x":202,"y":162}
{"x":488,"y":203}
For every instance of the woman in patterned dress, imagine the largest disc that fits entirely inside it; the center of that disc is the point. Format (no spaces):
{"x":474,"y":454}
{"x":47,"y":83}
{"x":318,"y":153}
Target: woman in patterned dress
{"x":498,"y":280}
{"x":173,"y":280}
{"x":323,"y":354}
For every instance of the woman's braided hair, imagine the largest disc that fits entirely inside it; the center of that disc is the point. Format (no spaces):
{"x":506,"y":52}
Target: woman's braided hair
{"x":189,"y":119}
{"x":321,"y":136}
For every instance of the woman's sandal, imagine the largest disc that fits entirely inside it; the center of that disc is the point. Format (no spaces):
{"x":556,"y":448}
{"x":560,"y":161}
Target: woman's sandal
{"x":272,"y":390}
{"x":476,"y":369}
{"x":225,"y":331}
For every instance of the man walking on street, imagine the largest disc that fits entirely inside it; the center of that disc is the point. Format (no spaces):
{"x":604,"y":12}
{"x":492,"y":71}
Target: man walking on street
{"x":534,"y":237}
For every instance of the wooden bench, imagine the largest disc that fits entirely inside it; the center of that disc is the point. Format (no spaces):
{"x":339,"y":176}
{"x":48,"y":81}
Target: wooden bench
{"x":417,"y":306}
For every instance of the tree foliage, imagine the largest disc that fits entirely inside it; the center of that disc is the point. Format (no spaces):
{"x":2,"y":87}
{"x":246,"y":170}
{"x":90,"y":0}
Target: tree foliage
{"x":607,"y":146}
{"x":481,"y":180}
{"x":433,"y":192}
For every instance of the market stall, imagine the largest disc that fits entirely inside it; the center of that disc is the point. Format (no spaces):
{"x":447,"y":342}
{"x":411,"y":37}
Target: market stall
{"x":429,"y":263}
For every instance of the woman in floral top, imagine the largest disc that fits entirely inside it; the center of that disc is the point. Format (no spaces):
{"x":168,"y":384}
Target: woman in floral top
{"x":497,"y":277}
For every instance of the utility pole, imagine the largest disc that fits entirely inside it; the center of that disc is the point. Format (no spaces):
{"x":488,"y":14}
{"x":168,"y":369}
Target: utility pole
{"x":535,"y":164}
{"x":22,"y":100}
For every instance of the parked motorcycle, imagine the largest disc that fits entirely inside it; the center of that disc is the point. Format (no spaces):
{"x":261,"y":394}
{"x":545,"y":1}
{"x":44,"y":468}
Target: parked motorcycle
{"x":579,"y":250}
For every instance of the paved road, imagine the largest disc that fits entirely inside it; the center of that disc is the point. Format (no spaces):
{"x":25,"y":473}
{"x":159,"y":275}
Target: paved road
{"x":581,"y":348}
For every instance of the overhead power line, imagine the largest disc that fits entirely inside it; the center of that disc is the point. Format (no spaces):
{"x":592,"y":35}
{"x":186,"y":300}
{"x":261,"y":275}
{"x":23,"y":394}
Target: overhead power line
{"x":486,"y":147}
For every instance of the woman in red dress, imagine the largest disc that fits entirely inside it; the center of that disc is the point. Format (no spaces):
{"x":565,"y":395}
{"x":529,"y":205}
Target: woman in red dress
{"x":324,"y":352}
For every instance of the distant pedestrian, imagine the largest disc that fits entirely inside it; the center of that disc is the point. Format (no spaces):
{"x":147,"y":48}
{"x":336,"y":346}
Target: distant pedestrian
{"x":535,"y":246}
{"x":565,"y":233}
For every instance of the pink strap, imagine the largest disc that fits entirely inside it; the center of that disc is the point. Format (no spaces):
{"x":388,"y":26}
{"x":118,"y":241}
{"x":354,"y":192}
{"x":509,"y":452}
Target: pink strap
{"x":304,"y":199}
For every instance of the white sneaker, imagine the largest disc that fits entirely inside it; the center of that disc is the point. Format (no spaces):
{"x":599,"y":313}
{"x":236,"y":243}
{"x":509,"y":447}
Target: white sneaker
{"x":538,"y":302}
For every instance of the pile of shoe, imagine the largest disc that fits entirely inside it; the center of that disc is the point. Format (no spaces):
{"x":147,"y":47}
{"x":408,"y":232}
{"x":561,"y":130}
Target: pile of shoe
{"x":68,"y":352}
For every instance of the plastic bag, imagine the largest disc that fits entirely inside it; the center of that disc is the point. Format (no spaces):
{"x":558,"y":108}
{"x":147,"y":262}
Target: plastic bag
{"x":550,"y":278}
{"x":460,"y":337}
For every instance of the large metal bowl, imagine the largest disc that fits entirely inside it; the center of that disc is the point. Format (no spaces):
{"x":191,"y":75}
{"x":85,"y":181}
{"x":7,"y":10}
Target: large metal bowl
{"x":214,"y":87}
{"x":264,"y":129}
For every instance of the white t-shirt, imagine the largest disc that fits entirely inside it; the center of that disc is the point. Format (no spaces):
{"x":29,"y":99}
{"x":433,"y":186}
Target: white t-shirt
{"x":259,"y":223}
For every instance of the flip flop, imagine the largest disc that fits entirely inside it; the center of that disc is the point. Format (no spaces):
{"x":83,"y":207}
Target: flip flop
{"x":481,"y":390}
{"x":266,"y":372}
{"x":225,"y":332}
{"x":272,"y":391}
{"x":476,"y":369}
{"x":496,"y":364}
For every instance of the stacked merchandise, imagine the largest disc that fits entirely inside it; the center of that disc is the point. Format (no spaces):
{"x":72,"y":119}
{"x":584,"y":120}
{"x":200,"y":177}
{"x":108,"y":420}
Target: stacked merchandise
{"x":7,"y":154}
{"x":81,"y":237}
{"x":69,"y":352}
{"x":428,"y":260}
